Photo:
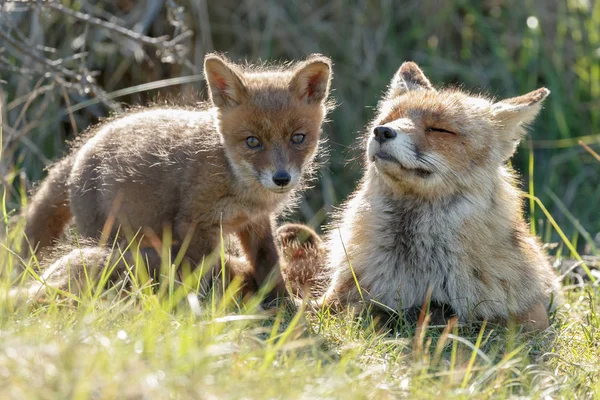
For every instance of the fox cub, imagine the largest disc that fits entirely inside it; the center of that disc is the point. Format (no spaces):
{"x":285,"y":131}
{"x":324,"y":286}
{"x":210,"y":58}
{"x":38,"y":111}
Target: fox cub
{"x":227,"y":167}
{"x":436,"y":211}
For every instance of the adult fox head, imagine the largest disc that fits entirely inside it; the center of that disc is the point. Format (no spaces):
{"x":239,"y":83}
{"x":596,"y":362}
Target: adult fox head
{"x":438,"y":142}
{"x":270,"y":119}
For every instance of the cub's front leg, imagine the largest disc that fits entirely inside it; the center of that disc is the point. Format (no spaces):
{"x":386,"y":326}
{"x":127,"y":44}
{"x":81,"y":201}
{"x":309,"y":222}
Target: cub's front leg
{"x":259,"y":245}
{"x":202,"y":241}
{"x":204,"y":248}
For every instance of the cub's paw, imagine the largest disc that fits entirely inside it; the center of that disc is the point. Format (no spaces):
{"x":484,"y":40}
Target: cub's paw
{"x":303,"y":260}
{"x":296,"y":240}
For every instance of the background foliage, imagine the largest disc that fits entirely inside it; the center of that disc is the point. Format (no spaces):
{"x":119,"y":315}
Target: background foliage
{"x":500,"y":47}
{"x":65,"y":65}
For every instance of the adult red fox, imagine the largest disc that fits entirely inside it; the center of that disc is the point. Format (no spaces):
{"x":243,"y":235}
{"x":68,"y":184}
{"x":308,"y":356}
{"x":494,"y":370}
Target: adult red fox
{"x":437,"y":211}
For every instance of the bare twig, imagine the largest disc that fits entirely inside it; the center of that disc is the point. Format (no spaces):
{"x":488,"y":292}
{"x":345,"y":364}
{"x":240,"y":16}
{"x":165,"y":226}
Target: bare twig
{"x":82,"y":82}
{"x":21,"y":48}
{"x":71,"y":116}
{"x":166,"y":47}
{"x":31,"y":97}
{"x":7,"y":65}
{"x":589,"y":150}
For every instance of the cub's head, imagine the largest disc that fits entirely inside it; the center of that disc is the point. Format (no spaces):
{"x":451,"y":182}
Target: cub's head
{"x":437,"y":142}
{"x":270,"y":118}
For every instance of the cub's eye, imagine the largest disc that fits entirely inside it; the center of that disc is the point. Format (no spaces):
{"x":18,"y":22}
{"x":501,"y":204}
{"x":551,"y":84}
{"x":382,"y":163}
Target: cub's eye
{"x":298,"y":138}
{"x":253,"y":142}
{"x":441,"y":130}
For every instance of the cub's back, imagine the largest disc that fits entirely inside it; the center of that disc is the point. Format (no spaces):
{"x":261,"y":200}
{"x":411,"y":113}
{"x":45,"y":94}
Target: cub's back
{"x":141,"y":161}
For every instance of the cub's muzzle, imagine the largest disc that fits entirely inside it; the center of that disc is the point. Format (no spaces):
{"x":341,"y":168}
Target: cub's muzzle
{"x":282,"y":178}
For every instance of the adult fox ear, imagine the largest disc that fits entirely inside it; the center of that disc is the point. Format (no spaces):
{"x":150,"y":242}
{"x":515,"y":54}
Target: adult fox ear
{"x":226,"y":84}
{"x":312,"y":79}
{"x":520,"y":110}
{"x":408,"y":77}
{"x":515,"y":114}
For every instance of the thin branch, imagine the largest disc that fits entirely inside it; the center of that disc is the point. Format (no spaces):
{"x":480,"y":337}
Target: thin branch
{"x":41,"y":60}
{"x":83,"y":83}
{"x":5,"y":64}
{"x":106,"y":24}
{"x":589,"y":150}
{"x":161,"y":43}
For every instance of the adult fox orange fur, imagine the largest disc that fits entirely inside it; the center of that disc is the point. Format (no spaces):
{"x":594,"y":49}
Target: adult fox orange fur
{"x":230,"y":165}
{"x":437,"y":209}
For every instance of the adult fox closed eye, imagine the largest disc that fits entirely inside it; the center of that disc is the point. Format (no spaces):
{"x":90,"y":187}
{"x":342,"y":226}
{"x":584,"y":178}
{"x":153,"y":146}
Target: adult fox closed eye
{"x":229,"y":165}
{"x":437,"y":209}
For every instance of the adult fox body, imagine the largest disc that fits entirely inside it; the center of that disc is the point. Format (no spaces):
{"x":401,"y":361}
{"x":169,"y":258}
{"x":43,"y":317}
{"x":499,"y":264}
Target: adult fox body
{"x":229,"y":165}
{"x":435,"y":212}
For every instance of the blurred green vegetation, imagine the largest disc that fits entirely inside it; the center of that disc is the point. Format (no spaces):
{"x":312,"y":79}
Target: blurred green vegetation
{"x":500,"y":47}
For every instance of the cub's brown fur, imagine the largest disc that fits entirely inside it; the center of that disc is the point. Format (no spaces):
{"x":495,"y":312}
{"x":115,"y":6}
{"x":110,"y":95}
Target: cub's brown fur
{"x":302,"y":252}
{"x":437,"y":209}
{"x":78,"y":268}
{"x":230,"y":165}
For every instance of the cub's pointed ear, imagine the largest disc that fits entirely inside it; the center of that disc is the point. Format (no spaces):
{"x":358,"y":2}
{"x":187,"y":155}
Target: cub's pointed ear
{"x":408,"y":77}
{"x":312,"y":79}
{"x":514,"y":114}
{"x":226,"y":84}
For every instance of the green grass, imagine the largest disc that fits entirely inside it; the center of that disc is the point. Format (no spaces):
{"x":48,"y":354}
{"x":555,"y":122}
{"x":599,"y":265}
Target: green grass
{"x":147,"y":340}
{"x":504,"y":48}
{"x":139,"y":344}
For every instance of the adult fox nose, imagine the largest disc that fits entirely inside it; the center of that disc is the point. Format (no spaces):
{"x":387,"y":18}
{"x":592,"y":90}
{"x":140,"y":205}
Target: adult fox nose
{"x":282,"y":178}
{"x":383,"y":134}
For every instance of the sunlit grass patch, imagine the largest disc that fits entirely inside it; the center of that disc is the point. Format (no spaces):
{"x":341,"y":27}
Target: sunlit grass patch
{"x":131,"y":343}
{"x":156,"y":338}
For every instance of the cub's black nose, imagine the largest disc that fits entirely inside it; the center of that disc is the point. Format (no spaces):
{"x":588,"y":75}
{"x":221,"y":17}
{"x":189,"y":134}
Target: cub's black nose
{"x":282,"y":178}
{"x":383,"y":134}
